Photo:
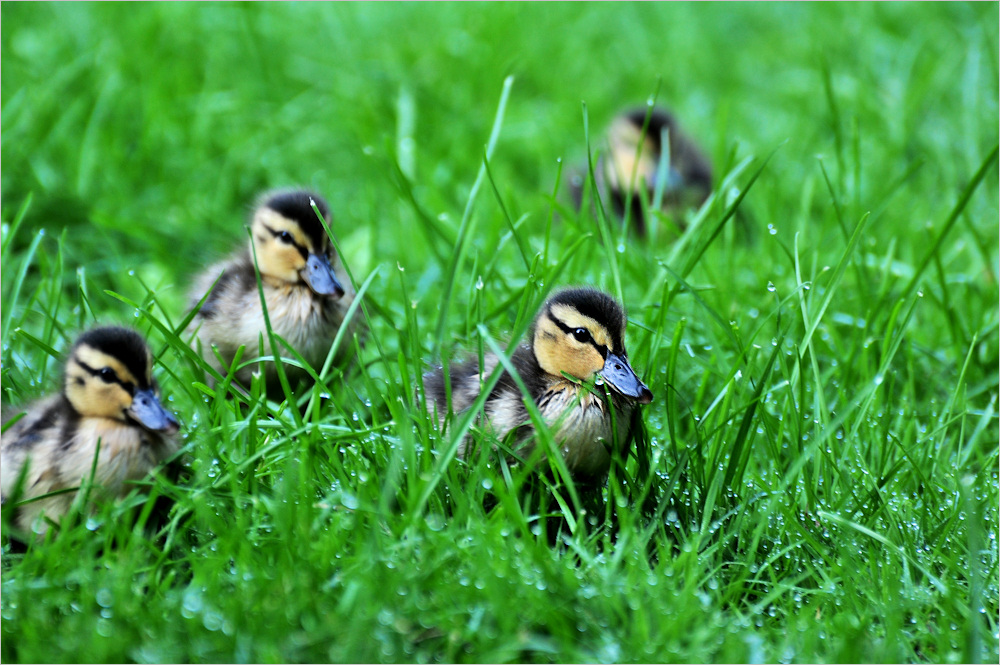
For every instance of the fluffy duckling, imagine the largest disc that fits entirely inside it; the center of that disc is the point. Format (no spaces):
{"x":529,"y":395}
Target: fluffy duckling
{"x":579,"y":332}
{"x":306,"y":298}
{"x":109,"y":396}
{"x":632,"y":164}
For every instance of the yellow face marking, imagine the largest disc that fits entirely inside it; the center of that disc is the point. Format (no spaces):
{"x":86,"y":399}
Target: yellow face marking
{"x":90,"y":394}
{"x":97,"y":360}
{"x":558,"y":351}
{"x":276,"y":257}
{"x":625,"y":138}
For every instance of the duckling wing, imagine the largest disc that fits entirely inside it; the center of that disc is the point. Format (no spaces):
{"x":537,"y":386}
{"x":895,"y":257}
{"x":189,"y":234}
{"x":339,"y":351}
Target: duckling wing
{"x":40,"y":418}
{"x":505,"y":406}
{"x":45,"y":424}
{"x":226,"y":281}
{"x":466,"y":382}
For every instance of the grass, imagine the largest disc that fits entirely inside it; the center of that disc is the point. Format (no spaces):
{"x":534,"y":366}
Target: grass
{"x":821,"y":341}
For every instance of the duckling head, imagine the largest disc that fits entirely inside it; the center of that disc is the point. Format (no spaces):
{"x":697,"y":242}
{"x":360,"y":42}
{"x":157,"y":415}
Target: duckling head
{"x":632,"y":155}
{"x":633,"y":152}
{"x":291,"y":243}
{"x":582,"y":332}
{"x":108,"y":375}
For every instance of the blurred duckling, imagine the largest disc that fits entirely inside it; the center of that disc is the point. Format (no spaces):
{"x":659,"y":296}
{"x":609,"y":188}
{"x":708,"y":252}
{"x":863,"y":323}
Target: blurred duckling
{"x":306,"y":297}
{"x":579,"y":332}
{"x":632,"y":165}
{"x":108,"y":397}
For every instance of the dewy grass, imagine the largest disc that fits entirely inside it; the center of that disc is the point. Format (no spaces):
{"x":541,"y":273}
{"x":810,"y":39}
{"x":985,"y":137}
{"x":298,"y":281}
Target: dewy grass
{"x":818,"y":480}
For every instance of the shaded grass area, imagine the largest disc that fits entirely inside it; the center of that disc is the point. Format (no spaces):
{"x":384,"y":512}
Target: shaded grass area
{"x":821,"y":339}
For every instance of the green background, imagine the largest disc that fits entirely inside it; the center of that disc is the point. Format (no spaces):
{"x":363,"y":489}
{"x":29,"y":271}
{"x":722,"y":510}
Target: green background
{"x":824,"y":433}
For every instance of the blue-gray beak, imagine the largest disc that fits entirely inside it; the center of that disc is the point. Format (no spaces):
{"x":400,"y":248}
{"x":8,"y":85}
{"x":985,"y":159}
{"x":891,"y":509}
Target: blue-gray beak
{"x":148,"y":412}
{"x":320,"y":278}
{"x":620,"y":376}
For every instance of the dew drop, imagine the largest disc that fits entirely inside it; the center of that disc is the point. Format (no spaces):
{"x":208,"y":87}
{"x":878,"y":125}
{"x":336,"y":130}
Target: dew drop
{"x":349,"y":501}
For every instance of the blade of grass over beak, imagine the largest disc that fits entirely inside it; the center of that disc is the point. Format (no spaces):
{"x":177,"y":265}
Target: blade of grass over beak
{"x":468,"y":225}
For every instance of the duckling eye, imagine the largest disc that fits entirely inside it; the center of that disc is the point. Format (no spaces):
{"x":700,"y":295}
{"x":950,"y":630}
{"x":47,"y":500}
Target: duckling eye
{"x":285,"y":237}
{"x":581,"y":335}
{"x":107,"y":375}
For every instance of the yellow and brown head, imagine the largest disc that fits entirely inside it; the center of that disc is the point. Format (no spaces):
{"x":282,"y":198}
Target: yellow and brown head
{"x":582,"y":332}
{"x":291,"y":243}
{"x":108,"y":375}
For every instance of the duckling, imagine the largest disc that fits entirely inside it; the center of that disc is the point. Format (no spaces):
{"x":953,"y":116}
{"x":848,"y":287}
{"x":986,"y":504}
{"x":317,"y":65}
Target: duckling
{"x":109,"y":397}
{"x":306,"y":298}
{"x":632,"y":164}
{"x":577,"y":336}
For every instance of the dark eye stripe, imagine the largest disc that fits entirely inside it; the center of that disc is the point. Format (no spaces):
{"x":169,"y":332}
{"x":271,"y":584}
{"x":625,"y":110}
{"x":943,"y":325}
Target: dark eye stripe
{"x":276,"y":234}
{"x":603,"y":350}
{"x":107,"y":375}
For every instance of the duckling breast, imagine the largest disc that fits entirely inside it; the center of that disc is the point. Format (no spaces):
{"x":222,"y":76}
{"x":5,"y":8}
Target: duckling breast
{"x":127,"y":453}
{"x":584,"y":428}
{"x":307,"y":321}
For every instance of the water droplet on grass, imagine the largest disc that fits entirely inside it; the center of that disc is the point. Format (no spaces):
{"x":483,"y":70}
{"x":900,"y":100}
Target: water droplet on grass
{"x":104,"y":597}
{"x":434,"y":522}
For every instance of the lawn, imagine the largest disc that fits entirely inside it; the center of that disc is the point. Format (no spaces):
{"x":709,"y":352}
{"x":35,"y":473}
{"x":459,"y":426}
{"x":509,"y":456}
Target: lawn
{"x":819,"y":480}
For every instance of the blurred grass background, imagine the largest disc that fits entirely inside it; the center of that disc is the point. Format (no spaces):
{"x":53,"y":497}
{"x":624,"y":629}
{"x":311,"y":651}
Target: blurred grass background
{"x":136,"y":137}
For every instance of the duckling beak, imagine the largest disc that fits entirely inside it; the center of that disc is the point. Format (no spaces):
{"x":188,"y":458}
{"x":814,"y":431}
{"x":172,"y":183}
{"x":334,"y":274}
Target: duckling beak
{"x":148,"y":412}
{"x":620,"y":376}
{"x":320,"y":278}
